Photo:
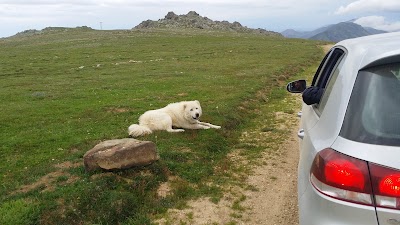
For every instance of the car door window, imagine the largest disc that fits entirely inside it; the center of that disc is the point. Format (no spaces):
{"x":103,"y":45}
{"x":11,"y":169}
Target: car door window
{"x":329,"y":86}
{"x":321,"y":65}
{"x":324,"y":73}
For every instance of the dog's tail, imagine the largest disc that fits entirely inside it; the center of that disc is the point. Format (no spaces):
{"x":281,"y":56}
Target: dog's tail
{"x":136,"y":130}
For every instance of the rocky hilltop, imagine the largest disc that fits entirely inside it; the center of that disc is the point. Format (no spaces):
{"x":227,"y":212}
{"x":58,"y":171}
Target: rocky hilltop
{"x":193,"y":20}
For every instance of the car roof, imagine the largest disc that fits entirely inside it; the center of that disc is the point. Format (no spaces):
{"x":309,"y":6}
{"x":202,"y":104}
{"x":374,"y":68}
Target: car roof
{"x":368,"y":50}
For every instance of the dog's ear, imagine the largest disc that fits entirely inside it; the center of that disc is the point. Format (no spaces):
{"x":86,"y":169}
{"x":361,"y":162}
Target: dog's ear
{"x":197,"y":102}
{"x":184,"y":106}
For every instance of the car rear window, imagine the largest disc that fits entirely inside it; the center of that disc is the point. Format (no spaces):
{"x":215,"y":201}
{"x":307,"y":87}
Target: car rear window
{"x":373,"y":114}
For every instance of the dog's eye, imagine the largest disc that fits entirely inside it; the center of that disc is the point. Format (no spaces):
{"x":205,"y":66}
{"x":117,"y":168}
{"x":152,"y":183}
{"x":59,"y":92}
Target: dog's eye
{"x":191,"y":109}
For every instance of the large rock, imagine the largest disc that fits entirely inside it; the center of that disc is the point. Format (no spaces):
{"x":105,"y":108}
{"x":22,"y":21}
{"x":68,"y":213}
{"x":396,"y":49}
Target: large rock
{"x":120,"y":154}
{"x":171,"y":16}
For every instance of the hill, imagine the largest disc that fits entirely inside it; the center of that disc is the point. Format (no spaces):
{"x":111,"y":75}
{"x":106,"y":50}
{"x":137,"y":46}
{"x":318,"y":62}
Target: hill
{"x":334,"y":33}
{"x":193,"y":20}
{"x":48,"y":30}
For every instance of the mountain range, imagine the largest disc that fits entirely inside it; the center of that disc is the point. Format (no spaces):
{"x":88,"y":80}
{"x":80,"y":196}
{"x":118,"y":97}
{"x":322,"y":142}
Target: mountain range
{"x":333,"y":33}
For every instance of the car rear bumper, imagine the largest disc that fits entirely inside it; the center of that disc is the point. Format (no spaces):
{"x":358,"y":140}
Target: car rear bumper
{"x":318,"y":209}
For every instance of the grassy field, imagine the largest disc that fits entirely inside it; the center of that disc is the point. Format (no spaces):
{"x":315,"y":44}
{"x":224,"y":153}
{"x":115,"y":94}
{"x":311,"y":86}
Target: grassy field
{"x":65,"y":91}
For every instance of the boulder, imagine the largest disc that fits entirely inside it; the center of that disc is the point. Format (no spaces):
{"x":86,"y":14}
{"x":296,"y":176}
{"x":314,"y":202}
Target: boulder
{"x":171,"y":16}
{"x":193,"y":14}
{"x":120,"y":154}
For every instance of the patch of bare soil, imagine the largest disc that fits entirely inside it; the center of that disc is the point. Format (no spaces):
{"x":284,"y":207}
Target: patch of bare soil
{"x":326,"y":48}
{"x":49,"y":181}
{"x":268,"y":194}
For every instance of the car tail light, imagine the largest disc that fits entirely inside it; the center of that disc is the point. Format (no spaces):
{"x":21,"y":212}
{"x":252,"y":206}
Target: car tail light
{"x":341,"y":176}
{"x":346,"y":178}
{"x":386,"y":186}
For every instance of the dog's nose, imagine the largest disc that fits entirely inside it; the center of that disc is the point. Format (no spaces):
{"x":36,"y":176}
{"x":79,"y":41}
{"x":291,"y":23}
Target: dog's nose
{"x":197,"y":115}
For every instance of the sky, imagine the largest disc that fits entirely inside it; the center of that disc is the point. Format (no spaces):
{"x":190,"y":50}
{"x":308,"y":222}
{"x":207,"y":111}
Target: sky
{"x":274,"y":15}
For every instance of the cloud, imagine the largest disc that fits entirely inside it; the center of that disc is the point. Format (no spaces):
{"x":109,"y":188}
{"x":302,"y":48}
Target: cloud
{"x":378,"y":22}
{"x":47,"y":2}
{"x":370,"y":6}
{"x":137,"y":2}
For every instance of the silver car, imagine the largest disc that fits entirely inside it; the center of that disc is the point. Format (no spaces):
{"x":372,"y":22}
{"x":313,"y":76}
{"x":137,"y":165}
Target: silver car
{"x":349,"y":166}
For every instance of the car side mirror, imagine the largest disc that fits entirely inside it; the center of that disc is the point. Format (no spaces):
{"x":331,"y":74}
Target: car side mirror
{"x":297,"y":86}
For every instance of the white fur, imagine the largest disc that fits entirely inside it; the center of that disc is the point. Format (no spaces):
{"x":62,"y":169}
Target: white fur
{"x":184,"y":114}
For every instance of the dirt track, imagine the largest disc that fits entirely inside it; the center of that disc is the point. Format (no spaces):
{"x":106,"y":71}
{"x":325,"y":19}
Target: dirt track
{"x":276,"y":202}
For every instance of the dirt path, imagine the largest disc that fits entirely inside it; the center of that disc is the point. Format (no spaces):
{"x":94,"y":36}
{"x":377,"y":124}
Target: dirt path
{"x":275,"y":202}
{"x":275,"y":179}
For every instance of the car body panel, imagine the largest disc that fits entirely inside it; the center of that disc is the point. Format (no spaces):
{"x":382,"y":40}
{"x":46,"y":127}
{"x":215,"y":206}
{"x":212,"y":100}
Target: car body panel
{"x":388,"y":216}
{"x":330,"y":211}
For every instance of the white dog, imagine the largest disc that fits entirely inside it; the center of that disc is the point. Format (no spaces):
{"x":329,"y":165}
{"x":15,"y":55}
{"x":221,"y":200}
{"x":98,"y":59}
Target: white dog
{"x":184,"y":114}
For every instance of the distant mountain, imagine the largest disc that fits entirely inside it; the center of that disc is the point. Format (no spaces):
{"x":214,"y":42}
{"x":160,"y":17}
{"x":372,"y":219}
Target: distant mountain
{"x":303,"y":34}
{"x":193,"y":20}
{"x":344,"y":30}
{"x":290,"y":33}
{"x":374,"y":31}
{"x":334,"y":33}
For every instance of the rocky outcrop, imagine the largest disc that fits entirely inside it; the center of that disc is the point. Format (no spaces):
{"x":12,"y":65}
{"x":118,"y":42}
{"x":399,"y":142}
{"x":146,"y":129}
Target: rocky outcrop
{"x":193,"y":20}
{"x":120,"y":154}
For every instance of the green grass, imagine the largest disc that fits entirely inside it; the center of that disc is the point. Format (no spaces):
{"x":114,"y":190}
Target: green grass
{"x":63,"y":92}
{"x":19,"y":212}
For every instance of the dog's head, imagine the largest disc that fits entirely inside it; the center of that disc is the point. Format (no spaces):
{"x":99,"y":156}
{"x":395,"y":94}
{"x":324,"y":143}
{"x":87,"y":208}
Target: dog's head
{"x":192,"y":110}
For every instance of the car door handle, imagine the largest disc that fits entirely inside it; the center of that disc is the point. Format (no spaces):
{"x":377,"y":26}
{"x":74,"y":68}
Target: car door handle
{"x":299,"y":114}
{"x":300,"y":133}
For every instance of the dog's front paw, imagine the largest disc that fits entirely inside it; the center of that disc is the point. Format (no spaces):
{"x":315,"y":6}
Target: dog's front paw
{"x":175,"y":130}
